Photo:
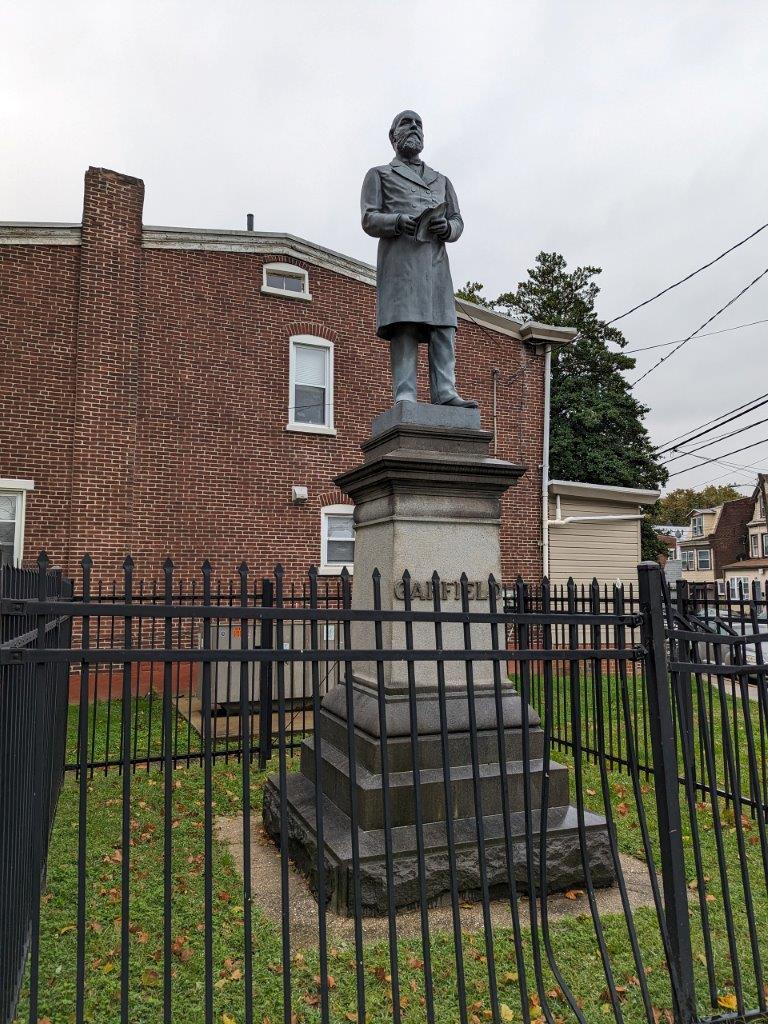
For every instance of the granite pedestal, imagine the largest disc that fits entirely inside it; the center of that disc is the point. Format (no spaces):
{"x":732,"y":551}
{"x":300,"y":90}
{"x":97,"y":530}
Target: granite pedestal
{"x":427,"y":497}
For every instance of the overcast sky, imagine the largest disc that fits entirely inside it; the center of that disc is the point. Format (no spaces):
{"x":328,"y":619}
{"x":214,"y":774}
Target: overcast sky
{"x":628,"y":136}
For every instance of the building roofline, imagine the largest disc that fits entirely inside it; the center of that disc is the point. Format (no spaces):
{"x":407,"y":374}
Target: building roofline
{"x":748,"y":563}
{"x":280,"y":243}
{"x":38,"y":233}
{"x":577,"y":489}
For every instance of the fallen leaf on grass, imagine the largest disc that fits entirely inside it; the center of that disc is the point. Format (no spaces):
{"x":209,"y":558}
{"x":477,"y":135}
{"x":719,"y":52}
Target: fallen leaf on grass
{"x":415,"y":963}
{"x":622,"y":809}
{"x":728,"y":1001}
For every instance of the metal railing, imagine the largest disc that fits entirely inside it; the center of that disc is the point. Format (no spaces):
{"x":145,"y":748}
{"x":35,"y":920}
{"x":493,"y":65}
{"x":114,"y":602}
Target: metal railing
{"x":468,"y":817}
{"x":33,"y":713}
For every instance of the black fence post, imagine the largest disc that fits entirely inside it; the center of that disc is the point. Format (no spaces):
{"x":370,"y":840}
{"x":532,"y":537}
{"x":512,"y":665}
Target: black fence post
{"x":667,"y":791}
{"x":265,"y":679}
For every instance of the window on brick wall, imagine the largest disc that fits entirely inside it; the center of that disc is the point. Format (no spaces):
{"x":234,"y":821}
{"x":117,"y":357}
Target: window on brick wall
{"x":337,"y":539}
{"x":285,"y":280}
{"x":310,"y":391}
{"x":13,"y":494}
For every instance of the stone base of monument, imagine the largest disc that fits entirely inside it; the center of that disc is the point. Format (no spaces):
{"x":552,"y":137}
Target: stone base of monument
{"x":427,"y":498}
{"x":565,"y":867}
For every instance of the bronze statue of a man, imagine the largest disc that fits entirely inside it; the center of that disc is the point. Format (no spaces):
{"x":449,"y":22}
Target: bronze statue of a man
{"x":413,"y":211}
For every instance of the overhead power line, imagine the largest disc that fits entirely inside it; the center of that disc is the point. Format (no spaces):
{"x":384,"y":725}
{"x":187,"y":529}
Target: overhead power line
{"x":709,"y":334}
{"x":725,"y":455}
{"x":688,"y":276}
{"x":717,"y":426}
{"x":663,"y":448}
{"x":715,"y":440}
{"x":701,"y":328}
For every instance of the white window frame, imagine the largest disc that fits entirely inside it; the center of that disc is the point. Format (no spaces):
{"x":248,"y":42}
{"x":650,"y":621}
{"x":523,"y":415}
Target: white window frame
{"x":697,"y":526}
{"x":738,"y":585}
{"x":764,"y":542}
{"x":331,"y":510}
{"x":699,"y":553}
{"x":310,"y":428}
{"x":688,"y":557}
{"x":754,"y":545}
{"x":720,"y":588}
{"x":290,"y":271}
{"x":18,"y":489}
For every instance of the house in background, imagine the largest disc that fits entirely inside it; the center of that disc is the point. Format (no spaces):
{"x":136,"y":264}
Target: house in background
{"x":672,"y":535}
{"x":741,"y":574}
{"x":718,"y":538}
{"x":594,"y":531}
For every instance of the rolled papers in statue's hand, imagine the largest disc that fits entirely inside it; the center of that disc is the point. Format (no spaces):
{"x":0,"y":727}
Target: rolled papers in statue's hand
{"x":423,"y":234}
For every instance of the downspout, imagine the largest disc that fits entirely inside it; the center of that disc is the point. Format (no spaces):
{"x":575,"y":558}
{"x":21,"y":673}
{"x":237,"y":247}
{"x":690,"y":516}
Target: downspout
{"x":545,"y":464}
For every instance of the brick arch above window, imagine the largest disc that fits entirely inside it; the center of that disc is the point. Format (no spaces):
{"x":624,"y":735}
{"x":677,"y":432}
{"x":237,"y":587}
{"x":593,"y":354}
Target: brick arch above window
{"x":333,"y":497}
{"x":311,"y":327}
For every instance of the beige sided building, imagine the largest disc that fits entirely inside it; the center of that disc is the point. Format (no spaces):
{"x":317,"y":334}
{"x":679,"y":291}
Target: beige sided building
{"x":594,"y":531}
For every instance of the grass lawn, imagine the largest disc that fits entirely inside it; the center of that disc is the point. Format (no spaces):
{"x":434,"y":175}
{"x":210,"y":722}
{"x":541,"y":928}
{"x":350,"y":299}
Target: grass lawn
{"x":573,"y":939}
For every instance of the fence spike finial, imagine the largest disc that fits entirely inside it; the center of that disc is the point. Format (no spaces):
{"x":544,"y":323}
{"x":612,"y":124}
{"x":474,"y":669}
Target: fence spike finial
{"x":86,"y":562}
{"x":206,"y":568}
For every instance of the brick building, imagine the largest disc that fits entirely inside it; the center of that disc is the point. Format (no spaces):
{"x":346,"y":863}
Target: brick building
{"x":169,"y":391}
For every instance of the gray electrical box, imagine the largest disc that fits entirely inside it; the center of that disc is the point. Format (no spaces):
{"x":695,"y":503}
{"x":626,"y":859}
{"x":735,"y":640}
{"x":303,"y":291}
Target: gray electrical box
{"x":297,"y":676}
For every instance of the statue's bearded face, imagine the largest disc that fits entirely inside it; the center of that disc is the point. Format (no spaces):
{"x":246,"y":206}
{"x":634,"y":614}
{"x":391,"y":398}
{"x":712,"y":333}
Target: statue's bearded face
{"x":407,"y":135}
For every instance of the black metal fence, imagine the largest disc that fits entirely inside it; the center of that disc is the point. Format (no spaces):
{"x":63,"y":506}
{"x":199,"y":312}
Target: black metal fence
{"x":33,"y":714}
{"x":168,"y":901}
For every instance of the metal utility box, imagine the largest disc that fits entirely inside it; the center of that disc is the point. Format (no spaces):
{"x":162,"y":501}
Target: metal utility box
{"x":226,"y":675}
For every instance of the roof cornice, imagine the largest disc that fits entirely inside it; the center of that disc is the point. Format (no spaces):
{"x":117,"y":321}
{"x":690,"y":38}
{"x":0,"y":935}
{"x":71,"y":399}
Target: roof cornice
{"x":577,"y":489}
{"x":19,"y":233}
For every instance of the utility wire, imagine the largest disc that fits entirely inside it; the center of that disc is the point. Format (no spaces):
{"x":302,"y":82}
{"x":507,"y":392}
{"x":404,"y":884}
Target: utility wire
{"x":725,"y":455}
{"x":679,"y":447}
{"x":701,"y":328}
{"x":666,"y":445}
{"x":715,"y":440}
{"x":709,"y":334}
{"x":688,"y":276}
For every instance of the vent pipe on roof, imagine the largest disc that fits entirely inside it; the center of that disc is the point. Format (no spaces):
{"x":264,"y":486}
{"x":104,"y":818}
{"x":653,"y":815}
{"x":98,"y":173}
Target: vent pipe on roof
{"x":249,"y":222}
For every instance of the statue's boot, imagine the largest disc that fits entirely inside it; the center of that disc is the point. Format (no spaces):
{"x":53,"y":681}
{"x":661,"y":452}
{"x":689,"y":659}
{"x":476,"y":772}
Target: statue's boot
{"x":462,"y":403}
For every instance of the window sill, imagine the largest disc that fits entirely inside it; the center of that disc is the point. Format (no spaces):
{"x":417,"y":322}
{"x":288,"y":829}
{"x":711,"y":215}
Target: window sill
{"x":283,"y":294}
{"x":333,"y":570}
{"x":310,"y":428}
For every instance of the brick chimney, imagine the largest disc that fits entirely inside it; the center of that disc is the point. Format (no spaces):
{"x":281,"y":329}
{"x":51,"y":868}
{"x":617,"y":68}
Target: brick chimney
{"x":108,"y":333}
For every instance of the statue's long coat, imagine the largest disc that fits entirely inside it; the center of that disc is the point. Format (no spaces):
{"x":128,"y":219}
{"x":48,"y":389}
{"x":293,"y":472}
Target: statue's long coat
{"x":413,"y":279}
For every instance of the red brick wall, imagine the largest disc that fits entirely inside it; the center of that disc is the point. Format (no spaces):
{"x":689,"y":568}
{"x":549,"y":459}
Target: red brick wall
{"x":38,"y":323}
{"x":177,"y":402}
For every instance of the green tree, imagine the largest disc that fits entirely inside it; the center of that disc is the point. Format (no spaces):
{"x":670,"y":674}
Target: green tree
{"x":651,"y":544}
{"x":597,"y":433}
{"x":471,"y":292}
{"x":675,"y":508}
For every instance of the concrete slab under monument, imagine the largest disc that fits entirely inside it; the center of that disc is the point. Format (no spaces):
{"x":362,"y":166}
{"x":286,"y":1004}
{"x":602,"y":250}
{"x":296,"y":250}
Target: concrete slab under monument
{"x":427,"y":498}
